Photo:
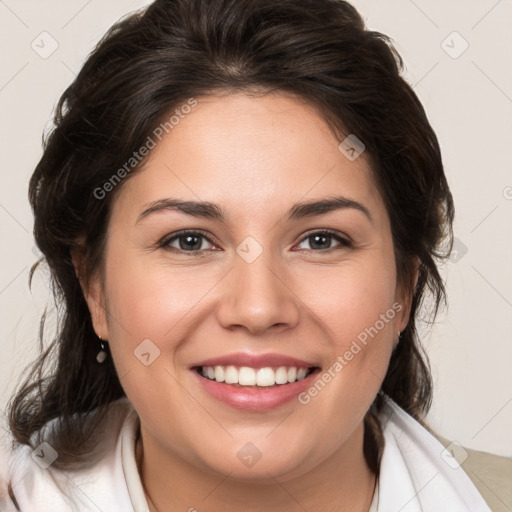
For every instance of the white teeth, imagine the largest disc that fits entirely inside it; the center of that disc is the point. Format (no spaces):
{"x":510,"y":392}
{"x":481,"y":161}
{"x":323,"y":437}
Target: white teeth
{"x":219,"y":374}
{"x":281,"y":375}
{"x":231,"y":375}
{"x":265,"y":377}
{"x":301,"y":373}
{"x":246,"y":376}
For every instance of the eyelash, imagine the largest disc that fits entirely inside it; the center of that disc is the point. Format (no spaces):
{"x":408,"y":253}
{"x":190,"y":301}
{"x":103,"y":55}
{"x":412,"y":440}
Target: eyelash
{"x":164,"y":244}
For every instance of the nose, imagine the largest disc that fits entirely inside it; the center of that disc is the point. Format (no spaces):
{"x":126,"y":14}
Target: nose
{"x":258,"y":297}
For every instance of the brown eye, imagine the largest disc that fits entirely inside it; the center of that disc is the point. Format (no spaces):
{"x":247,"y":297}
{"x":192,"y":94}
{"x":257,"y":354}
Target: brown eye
{"x":186,"y":241}
{"x":321,"y":240}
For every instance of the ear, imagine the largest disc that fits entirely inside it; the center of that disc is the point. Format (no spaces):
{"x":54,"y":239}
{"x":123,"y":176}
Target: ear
{"x":405,"y":295}
{"x":92,"y":289}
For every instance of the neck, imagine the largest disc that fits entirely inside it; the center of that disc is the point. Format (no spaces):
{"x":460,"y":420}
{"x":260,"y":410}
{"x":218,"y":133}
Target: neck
{"x":170,"y":482}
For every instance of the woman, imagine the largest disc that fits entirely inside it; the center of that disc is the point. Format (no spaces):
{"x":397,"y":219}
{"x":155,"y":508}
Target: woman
{"x":242,"y":205}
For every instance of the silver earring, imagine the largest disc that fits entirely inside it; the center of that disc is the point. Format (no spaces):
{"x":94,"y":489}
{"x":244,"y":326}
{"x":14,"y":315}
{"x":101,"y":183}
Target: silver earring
{"x":102,"y":355}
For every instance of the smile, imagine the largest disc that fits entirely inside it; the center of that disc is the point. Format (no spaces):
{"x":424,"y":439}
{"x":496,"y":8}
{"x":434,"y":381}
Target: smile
{"x":254,"y":382}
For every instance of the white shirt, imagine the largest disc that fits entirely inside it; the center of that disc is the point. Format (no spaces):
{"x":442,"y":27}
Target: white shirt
{"x":414,"y":477}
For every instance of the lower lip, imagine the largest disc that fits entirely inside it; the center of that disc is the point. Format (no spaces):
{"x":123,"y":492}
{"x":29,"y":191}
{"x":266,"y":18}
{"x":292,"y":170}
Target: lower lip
{"x":252,"y":399}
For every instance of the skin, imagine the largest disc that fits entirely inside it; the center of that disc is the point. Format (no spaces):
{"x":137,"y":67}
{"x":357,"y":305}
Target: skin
{"x":255,"y":157}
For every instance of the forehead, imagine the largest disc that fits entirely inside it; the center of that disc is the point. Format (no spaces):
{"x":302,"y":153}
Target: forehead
{"x":252,"y":155}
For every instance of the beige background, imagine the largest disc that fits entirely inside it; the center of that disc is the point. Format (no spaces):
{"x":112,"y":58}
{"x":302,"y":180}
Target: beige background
{"x":469,"y":102}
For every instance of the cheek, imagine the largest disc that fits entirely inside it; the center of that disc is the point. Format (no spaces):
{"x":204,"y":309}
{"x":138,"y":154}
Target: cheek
{"x":362,"y":314}
{"x":151,"y":301}
{"x":349,"y":300}
{"x":358,"y":315}
{"x":356,"y":306}
{"x":149,"y":313}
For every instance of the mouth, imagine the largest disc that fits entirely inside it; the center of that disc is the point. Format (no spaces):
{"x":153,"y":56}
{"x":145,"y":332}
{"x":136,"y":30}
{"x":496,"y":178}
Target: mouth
{"x":255,"y":384}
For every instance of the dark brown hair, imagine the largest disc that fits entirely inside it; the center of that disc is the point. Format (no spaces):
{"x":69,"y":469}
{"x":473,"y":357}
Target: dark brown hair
{"x":151,"y":62}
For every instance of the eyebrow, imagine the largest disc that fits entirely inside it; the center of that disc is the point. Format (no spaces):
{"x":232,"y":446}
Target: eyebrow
{"x":208,"y":210}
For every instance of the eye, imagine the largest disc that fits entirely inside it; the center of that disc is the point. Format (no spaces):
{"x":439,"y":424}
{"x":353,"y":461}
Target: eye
{"x":192,"y":241}
{"x":186,"y":241}
{"x":321,"y":240}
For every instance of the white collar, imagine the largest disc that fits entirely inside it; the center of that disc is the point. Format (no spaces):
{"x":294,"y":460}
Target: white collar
{"x":413,"y":475}
{"x":128,"y":438}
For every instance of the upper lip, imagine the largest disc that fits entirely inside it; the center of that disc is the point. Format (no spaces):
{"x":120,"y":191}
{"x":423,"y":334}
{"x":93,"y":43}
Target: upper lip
{"x":255,"y":361}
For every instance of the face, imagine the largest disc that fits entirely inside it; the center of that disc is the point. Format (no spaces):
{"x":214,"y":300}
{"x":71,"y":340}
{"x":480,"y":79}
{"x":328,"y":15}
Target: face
{"x":259,"y":285}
